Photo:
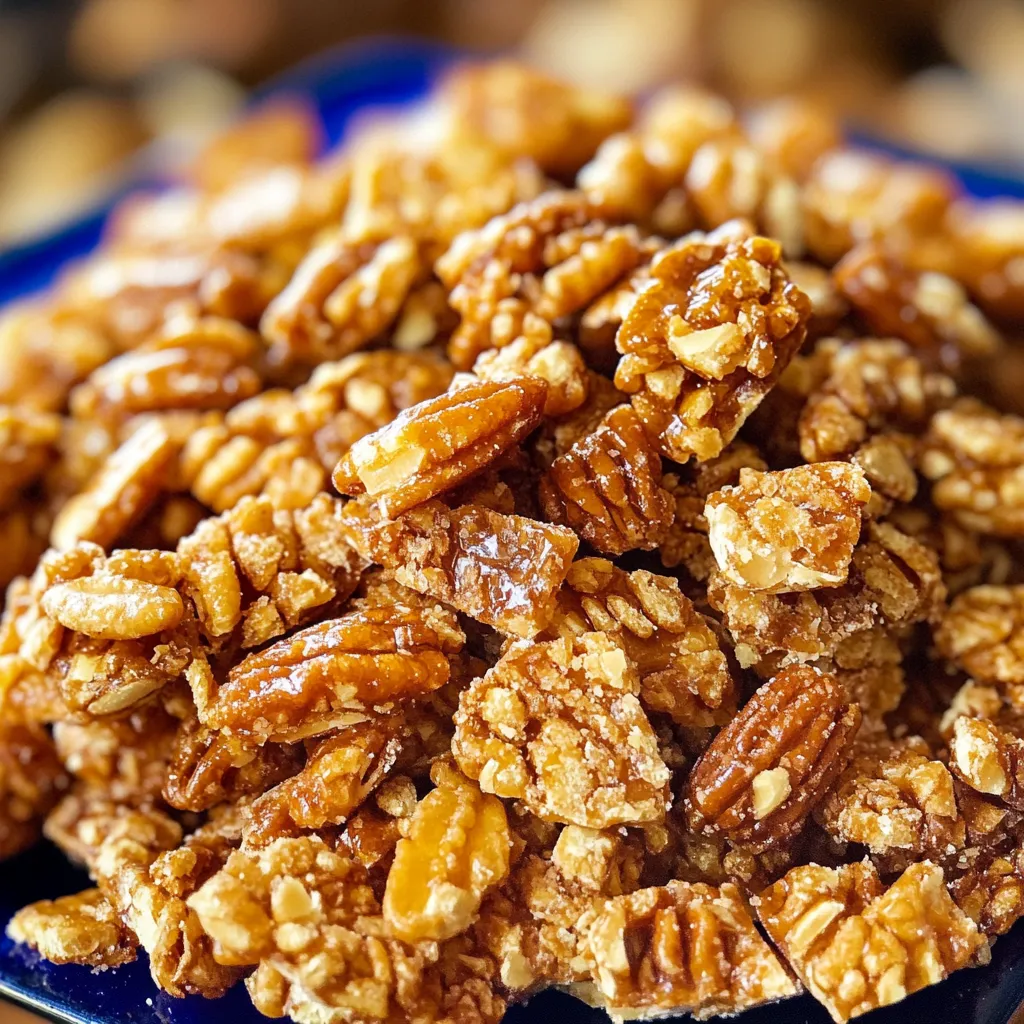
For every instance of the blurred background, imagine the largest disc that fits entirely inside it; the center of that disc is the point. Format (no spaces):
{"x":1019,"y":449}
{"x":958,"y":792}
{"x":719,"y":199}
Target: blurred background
{"x":86,"y":84}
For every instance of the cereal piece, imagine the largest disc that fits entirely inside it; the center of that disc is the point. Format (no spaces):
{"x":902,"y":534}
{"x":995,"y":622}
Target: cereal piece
{"x":31,"y":781}
{"x":929,"y":311}
{"x":79,"y":929}
{"x":333,"y":673}
{"x":125,"y":486}
{"x":767,"y":769}
{"x":894,"y":580}
{"x":707,"y":339}
{"x":857,"y":947}
{"x":983,"y":632}
{"x":558,"y":726}
{"x":989,"y":758}
{"x":524,"y":113}
{"x":455,"y":851}
{"x":790,"y":530}
{"x":974,"y":456}
{"x":683,"y":673}
{"x":503,"y":570}
{"x":113,"y":608}
{"x":434,"y":445}
{"x":340,"y":771}
{"x":894,"y":797}
{"x":342,"y":296}
{"x":682,"y":948}
{"x":687,"y":542}
{"x":559,"y":363}
{"x":607,"y":487}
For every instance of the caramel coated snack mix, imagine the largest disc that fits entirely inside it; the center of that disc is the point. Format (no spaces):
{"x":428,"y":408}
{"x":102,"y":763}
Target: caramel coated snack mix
{"x":575,"y":545}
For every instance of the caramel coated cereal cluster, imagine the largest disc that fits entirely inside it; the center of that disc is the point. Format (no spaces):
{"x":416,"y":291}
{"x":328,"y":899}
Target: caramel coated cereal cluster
{"x":546,"y":542}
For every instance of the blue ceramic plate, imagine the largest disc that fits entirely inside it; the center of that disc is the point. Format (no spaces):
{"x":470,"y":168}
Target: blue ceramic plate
{"x":383,"y":73}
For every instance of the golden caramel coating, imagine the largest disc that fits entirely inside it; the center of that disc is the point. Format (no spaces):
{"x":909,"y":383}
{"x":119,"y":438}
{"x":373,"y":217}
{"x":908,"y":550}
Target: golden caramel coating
{"x":558,"y":726}
{"x":79,"y":929}
{"x":682,"y":948}
{"x":435,"y":445}
{"x":991,"y":892}
{"x":504,"y":570}
{"x":973,"y":455}
{"x":707,"y":338}
{"x":982,"y":633}
{"x":989,"y":240}
{"x":455,"y":851}
{"x":894,"y":797}
{"x":791,"y":530}
{"x":32,"y":779}
{"x":334,"y":672}
{"x":683,"y":672}
{"x":894,"y":580}
{"x":767,"y":769}
{"x":607,"y":487}
{"x":930,"y":311}
{"x":28,"y":441}
{"x":989,"y":759}
{"x":794,"y":132}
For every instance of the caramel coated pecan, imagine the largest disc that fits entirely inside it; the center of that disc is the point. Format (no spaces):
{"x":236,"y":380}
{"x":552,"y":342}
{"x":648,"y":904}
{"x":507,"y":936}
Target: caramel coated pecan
{"x":983,"y":633}
{"x":769,"y":767}
{"x":991,"y":892}
{"x":683,"y":673}
{"x":456,"y":850}
{"x":682,"y":948}
{"x":558,"y":726}
{"x":32,"y":779}
{"x":707,"y":338}
{"x":336,"y":671}
{"x":28,"y":446}
{"x":435,"y":445}
{"x":930,"y":311}
{"x":504,"y":570}
{"x":975,"y":458}
{"x":857,"y":946}
{"x":794,"y":529}
{"x":607,"y":487}
{"x":989,"y":758}
{"x":894,"y":797}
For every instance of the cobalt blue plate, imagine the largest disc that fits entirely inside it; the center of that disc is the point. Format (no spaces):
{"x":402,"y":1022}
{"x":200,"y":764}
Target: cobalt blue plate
{"x":386,"y":73}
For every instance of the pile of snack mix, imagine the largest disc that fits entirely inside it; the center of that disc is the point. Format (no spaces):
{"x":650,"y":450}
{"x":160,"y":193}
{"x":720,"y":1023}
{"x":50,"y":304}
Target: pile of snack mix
{"x":542,"y":543}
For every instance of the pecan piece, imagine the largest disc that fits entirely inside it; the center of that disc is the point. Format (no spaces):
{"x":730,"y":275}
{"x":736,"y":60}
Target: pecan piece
{"x":456,"y":850}
{"x":607,"y":487}
{"x":682,"y":948}
{"x":989,"y":758}
{"x":504,"y":570}
{"x":706,"y":340}
{"x":767,"y":769}
{"x":435,"y":445}
{"x":558,"y":726}
{"x":894,"y":797}
{"x":32,"y":779}
{"x":790,"y":530}
{"x":857,"y":947}
{"x":683,"y":672}
{"x":113,"y":607}
{"x":983,"y":633}
{"x":335,"y":671}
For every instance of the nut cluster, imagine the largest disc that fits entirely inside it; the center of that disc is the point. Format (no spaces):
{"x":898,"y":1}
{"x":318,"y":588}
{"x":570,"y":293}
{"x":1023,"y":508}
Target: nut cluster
{"x":569,"y":546}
